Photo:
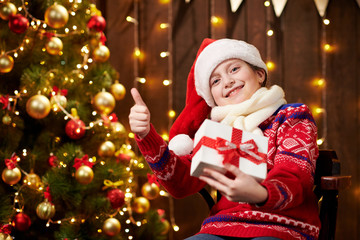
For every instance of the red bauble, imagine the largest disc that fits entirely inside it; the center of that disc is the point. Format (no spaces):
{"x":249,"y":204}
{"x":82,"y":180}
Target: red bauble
{"x":97,"y":23}
{"x":116,"y":198}
{"x":75,"y":129}
{"x":18,"y":23}
{"x":21,"y":222}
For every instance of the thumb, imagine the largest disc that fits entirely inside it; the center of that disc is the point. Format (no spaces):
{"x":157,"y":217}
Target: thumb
{"x":137,"y":97}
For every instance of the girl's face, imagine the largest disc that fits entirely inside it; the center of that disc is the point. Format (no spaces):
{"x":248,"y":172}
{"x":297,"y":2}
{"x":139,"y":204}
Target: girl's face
{"x":234,"y":81}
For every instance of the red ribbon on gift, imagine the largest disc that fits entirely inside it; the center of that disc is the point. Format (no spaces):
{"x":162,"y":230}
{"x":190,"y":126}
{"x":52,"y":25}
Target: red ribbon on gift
{"x":233,"y":152}
{"x":234,"y":149}
{"x":4,"y":100}
{"x":11,"y":162}
{"x":6,"y":228}
{"x":78,"y":162}
{"x":152,"y":179}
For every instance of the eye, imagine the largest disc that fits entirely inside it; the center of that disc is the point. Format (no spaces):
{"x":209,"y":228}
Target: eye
{"x":234,"y":69}
{"x":215,"y":81}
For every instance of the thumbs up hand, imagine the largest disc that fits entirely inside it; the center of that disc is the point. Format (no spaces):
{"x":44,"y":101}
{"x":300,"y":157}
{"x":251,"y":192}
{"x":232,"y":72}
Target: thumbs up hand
{"x":139,"y":117}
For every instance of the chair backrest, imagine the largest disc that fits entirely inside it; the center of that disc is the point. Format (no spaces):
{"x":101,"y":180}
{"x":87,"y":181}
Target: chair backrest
{"x":327,"y":183}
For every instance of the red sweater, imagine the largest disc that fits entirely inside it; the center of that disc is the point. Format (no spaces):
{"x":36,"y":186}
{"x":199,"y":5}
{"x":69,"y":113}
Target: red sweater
{"x":291,"y":210}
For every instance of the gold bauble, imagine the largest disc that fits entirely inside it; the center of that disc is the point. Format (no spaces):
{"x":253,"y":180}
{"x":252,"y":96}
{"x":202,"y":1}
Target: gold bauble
{"x":118,"y":90}
{"x":150,"y":190}
{"x":4,"y":236}
{"x":54,"y":46}
{"x":57,"y":100}
{"x":32,"y":180}
{"x":118,"y":128}
{"x":166,"y":226}
{"x":84,"y":174}
{"x":106,"y":149}
{"x":6,"y":63}
{"x":140,"y":205}
{"x":104,"y":102}
{"x":7,"y":9}
{"x":111,"y":227}
{"x":45,"y":210}
{"x":6,"y":119}
{"x":56,"y":16}
{"x":38,"y":106}
{"x":101,"y":53}
{"x":11,"y":176}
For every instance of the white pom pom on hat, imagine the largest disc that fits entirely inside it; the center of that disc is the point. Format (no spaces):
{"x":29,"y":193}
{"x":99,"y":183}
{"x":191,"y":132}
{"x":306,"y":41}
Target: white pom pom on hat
{"x":199,"y":100}
{"x":181,"y":144}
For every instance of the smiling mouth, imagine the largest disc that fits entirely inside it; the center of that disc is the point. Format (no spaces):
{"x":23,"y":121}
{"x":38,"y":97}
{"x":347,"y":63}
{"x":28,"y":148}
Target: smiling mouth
{"x":233,"y":91}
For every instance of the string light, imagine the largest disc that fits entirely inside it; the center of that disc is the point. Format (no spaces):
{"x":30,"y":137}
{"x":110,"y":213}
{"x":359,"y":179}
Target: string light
{"x":165,"y":136}
{"x":267,"y":3}
{"x":167,"y":82}
{"x":270,"y":32}
{"x":270,"y":65}
{"x":164,"y":54}
{"x":327,"y":47}
{"x":164,"y":25}
{"x":216,"y":20}
{"x":141,"y":80}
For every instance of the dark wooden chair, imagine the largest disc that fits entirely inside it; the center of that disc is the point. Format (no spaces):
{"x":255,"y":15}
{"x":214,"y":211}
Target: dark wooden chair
{"x":327,"y":184}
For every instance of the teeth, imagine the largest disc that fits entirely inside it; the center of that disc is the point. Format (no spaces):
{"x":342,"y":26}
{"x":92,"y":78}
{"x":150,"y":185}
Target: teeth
{"x":233,"y":90}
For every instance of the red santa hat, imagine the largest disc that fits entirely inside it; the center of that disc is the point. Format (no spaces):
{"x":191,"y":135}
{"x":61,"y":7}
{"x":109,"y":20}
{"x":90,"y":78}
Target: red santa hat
{"x":199,"y":100}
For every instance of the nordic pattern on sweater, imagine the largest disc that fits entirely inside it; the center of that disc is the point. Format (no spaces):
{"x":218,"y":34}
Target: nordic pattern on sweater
{"x":290,"y":211}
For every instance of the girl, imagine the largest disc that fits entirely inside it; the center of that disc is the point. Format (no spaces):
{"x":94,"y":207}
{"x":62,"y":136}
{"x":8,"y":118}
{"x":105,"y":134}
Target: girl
{"x":227,"y":81}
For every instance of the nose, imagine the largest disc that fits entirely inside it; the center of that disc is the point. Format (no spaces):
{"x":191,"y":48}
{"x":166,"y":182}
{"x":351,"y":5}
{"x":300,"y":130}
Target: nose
{"x":229,"y":82}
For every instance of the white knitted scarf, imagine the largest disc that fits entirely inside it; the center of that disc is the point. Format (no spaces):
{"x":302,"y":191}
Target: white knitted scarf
{"x":249,"y":114}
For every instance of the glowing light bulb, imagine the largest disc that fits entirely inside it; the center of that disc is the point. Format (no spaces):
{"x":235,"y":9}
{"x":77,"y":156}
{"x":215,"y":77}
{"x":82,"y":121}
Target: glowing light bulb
{"x":267,"y":3}
{"x":327,"y":47}
{"x":216,"y":20}
{"x":165,"y":137}
{"x":319,"y":82}
{"x":164,"y":25}
{"x":176,"y":228}
{"x":167,"y":82}
{"x":326,"y":21}
{"x":270,"y":65}
{"x":172,"y":113}
{"x":270,"y":32}
{"x":164,"y":54}
{"x":320,"y":141}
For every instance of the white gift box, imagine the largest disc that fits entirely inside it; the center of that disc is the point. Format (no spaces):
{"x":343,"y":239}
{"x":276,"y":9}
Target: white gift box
{"x":214,"y":142}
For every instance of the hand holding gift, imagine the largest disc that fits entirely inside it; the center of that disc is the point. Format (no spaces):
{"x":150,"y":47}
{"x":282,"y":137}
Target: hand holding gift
{"x":241,"y":187}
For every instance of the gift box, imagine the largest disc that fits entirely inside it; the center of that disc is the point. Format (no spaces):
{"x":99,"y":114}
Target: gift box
{"x":216,"y":144}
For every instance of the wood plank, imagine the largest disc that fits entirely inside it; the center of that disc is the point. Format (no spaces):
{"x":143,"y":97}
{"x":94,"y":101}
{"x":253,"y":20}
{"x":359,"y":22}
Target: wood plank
{"x":343,"y":107}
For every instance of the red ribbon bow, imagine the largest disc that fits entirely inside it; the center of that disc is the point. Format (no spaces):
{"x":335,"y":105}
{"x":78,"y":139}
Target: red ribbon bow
{"x":82,"y":161}
{"x":11,"y":163}
{"x":47,"y":194}
{"x":152,"y":179}
{"x":232,"y":152}
{"x":4,"y":100}
{"x":6,"y":228}
{"x":60,"y":91}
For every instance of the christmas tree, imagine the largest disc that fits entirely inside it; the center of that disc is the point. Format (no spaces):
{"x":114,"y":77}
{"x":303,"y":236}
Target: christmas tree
{"x":68,"y":170}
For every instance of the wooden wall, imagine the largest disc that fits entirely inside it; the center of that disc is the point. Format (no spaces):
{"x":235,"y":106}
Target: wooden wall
{"x":295,"y":48}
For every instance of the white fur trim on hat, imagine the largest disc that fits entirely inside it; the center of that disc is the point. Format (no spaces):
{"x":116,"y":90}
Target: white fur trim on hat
{"x":181,"y":144}
{"x":217,"y":52}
